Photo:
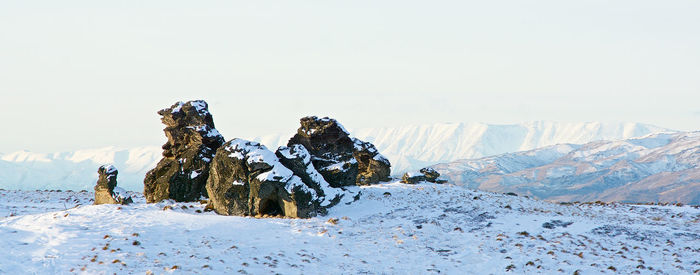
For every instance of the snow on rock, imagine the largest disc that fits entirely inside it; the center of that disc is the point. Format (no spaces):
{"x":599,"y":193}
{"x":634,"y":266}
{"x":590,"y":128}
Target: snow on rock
{"x":417,"y":229}
{"x":121,"y":195}
{"x":266,"y":186}
{"x":106,"y":190}
{"x":342,"y":160}
{"x":298,"y":158}
{"x":192,"y":141}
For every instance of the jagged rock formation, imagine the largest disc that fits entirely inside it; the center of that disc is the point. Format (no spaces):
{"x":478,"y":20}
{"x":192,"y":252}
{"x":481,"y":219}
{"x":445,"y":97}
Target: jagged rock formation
{"x":192,"y":142}
{"x":342,"y":160}
{"x":247,"y":179}
{"x":106,"y":190}
{"x":426,"y":174}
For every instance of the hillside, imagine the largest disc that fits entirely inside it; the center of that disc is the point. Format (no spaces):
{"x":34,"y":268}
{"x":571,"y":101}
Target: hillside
{"x":659,"y":167}
{"x":417,"y":229}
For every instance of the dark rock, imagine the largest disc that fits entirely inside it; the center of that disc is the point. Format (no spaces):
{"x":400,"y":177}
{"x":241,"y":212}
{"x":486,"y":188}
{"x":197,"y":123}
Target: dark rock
{"x":343,"y":161}
{"x":372,"y":167}
{"x":298,"y":159}
{"x":412,"y":178}
{"x":192,"y":142}
{"x":247,"y":179}
{"x":426,"y":174}
{"x":556,"y":223}
{"x":106,"y":190}
{"x":430,"y":174}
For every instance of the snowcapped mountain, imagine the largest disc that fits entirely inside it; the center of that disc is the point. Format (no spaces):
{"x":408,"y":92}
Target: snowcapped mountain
{"x":659,"y":167}
{"x":75,"y":170}
{"x":407,"y":147}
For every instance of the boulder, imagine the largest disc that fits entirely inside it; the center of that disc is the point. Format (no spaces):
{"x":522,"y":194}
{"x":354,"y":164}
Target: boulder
{"x":430,"y":174}
{"x":106,"y":190}
{"x":412,"y":178}
{"x":343,"y":161}
{"x":192,"y":142}
{"x":426,"y":174}
{"x":247,"y":179}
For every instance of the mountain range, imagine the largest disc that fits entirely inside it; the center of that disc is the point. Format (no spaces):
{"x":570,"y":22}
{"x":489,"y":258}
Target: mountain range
{"x":662,"y":167}
{"x":407,"y":147}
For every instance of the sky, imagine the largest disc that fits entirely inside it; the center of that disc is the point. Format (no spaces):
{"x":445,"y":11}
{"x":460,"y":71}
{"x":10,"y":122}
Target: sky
{"x":87,"y":74}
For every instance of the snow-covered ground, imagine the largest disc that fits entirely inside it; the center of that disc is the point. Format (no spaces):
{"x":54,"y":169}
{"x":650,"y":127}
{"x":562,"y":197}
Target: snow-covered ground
{"x":393,"y":229}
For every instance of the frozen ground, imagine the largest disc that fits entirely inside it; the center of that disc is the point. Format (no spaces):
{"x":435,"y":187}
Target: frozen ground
{"x":392,"y":229}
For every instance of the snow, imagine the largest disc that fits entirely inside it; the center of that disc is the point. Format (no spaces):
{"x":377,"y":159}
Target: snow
{"x":238,"y":183}
{"x":340,"y":166}
{"x":295,"y":182}
{"x":199,"y":105}
{"x":109,"y":168}
{"x":208,"y":132}
{"x":326,"y":119}
{"x":413,"y":174}
{"x":278,"y":173}
{"x":393,"y":229}
{"x":178,"y":108}
{"x":119,"y":193}
{"x":253,"y":152}
{"x":194,"y":174}
{"x":300,"y":151}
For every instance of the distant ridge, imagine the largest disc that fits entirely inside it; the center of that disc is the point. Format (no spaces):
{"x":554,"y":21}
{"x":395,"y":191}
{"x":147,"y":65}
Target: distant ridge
{"x":661,"y":167}
{"x":414,"y":147}
{"x":407,"y":147}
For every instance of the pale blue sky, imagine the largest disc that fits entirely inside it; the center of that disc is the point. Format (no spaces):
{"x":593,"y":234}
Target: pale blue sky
{"x":84,"y":74}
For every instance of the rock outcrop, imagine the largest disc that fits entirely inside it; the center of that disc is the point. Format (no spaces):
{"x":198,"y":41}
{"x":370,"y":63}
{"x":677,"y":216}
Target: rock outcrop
{"x":343,"y":161}
{"x":426,"y":174}
{"x":247,"y":179}
{"x":412,"y":178}
{"x":106,"y":190}
{"x":192,"y":142}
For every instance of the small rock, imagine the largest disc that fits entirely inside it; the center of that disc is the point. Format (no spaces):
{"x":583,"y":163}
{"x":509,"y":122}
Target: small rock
{"x":106,"y":190}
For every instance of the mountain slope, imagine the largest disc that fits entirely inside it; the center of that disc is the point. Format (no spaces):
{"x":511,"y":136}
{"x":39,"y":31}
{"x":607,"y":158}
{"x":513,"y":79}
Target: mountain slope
{"x":392,"y":229}
{"x":659,"y":167}
{"x":408,"y":148}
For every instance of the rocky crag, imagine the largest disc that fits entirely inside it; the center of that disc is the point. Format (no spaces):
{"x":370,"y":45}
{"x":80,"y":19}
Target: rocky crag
{"x":192,"y":142}
{"x":300,"y":180}
{"x":240,"y":177}
{"x":342,"y":160}
{"x":106,"y":190}
{"x":247,"y":179}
